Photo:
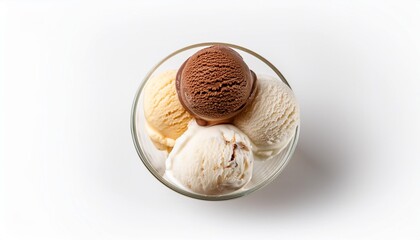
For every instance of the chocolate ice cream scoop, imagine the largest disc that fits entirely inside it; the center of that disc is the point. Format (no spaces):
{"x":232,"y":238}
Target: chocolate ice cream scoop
{"x":215,"y":84}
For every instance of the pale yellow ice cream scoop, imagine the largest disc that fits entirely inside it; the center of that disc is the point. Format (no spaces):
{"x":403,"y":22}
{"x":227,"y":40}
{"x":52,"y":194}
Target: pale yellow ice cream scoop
{"x":166,"y":119}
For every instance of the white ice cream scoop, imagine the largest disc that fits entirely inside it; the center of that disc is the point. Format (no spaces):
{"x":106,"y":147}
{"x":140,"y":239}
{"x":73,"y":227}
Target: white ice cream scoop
{"x":271,"y":119}
{"x":211,"y":160}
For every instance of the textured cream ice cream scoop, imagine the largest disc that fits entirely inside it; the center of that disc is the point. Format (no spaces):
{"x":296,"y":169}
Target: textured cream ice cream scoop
{"x":211,"y":160}
{"x":166,"y":119}
{"x":270,"y":120}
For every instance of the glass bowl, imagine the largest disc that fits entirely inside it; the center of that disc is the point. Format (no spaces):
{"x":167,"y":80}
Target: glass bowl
{"x":264,"y":172}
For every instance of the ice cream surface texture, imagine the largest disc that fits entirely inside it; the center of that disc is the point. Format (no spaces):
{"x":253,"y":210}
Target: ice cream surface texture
{"x":166,"y":119}
{"x":211,"y":160}
{"x":270,"y":120}
{"x":215,"y":84}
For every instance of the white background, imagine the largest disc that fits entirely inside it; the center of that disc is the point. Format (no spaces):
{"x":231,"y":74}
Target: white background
{"x":69,"y":72}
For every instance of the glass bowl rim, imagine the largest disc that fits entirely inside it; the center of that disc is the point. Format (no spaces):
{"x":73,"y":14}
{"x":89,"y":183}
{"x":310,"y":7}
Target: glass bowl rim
{"x":153,"y":171}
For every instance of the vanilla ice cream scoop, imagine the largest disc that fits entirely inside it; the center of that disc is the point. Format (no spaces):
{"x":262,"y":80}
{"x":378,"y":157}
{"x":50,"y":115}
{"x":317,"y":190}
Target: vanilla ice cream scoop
{"x":270,"y":120}
{"x":166,"y":119}
{"x":211,"y":160}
